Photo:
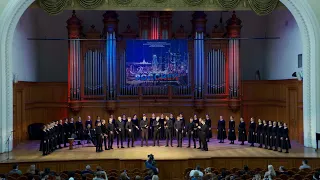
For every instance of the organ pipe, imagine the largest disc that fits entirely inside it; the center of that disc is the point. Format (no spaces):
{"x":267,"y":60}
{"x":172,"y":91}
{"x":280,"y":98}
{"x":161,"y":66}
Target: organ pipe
{"x":74,"y":69}
{"x":199,"y":63}
{"x":93,"y":76}
{"x":234,"y":74}
{"x":216,"y":72}
{"x":111,"y":63}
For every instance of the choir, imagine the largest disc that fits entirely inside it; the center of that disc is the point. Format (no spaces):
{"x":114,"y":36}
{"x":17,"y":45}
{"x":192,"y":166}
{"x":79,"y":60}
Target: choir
{"x":270,"y":135}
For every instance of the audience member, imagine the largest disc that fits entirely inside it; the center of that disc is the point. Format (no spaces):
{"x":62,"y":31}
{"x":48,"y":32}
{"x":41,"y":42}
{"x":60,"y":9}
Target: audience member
{"x":101,"y":172}
{"x":256,"y":177}
{"x":304,"y":165}
{"x":149,"y":175}
{"x":137,"y":177}
{"x":282,"y":170}
{"x":196,"y":170}
{"x":98,"y":176}
{"x":15,"y":170}
{"x":316,"y":176}
{"x":208,"y":174}
{"x":223,"y":174}
{"x":245,"y":170}
{"x":270,"y":173}
{"x":196,"y":176}
{"x":87,"y":170}
{"x":155,"y":177}
{"x":124,"y":176}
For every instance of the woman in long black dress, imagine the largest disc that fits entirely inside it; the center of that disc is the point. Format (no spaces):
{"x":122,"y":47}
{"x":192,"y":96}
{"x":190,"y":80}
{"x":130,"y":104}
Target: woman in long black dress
{"x":242,"y":131}
{"x":252,"y":132}
{"x":79,"y":130}
{"x":265,"y":134}
{"x":208,"y":123}
{"x":279,"y":136}
{"x":222,"y":135}
{"x":231,"y":130}
{"x":43,"y":142}
{"x":285,"y":141}
{"x":269,"y":135}
{"x":259,"y":133}
{"x":273,"y":135}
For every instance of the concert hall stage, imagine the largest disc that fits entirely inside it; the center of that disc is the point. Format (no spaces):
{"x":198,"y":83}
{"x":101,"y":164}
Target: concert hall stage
{"x":169,"y":159}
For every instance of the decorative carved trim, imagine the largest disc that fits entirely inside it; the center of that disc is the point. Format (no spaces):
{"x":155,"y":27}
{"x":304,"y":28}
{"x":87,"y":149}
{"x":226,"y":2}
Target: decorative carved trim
{"x":193,"y":2}
{"x":159,"y":1}
{"x":123,"y":1}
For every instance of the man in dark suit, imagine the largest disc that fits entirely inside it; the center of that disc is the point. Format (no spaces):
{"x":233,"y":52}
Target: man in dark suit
{"x":99,"y":137}
{"x":120,"y":131}
{"x":203,"y":134}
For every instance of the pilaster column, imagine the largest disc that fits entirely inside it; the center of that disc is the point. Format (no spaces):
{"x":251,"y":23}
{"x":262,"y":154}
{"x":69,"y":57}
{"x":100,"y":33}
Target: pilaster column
{"x":144,"y":25}
{"x":110,"y":20}
{"x":74,"y":31}
{"x":233,"y":30}
{"x":165,"y":25}
{"x":199,"y":20}
{"x":155,"y":25}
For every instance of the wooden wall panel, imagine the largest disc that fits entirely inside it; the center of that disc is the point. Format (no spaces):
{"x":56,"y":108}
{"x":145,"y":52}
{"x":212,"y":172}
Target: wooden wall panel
{"x":279,"y":100}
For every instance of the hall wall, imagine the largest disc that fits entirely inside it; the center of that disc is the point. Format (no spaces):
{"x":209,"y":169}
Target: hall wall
{"x":270,"y":100}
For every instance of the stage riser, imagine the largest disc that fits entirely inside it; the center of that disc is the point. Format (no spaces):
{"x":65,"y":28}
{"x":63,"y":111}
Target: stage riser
{"x":169,"y":169}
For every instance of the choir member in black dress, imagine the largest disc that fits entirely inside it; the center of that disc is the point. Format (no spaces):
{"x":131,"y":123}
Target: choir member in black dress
{"x":231,"y":130}
{"x":203,"y":134}
{"x":168,"y":126}
{"x":79,"y":130}
{"x":89,"y":121}
{"x":252,"y":132}
{"x":61,"y":133}
{"x":135,"y":122}
{"x":208,"y":123}
{"x":72,"y":128}
{"x":269,"y":135}
{"x":120,"y":131}
{"x":111,"y":131}
{"x":49,"y":134}
{"x":113,"y":120}
{"x":285,"y":141}
{"x":171,"y":117}
{"x":153,"y":118}
{"x":279,"y":135}
{"x":190,"y":129}
{"x":99,"y":137}
{"x":242,"y":131}
{"x":161,"y":121}
{"x":125,"y":120}
{"x":259,"y":133}
{"x":222,"y":135}
{"x":178,"y":126}
{"x":104,"y":134}
{"x":130,"y":129}
{"x":57,"y":133}
{"x":44,"y":141}
{"x":98,"y":120}
{"x":156,"y":131}
{"x":274,"y":136}
{"x":265,"y":134}
{"x":66,"y":131}
{"x":144,"y":129}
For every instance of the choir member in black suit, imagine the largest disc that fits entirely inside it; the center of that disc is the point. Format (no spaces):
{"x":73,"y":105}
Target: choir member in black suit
{"x":49,"y":143}
{"x":269,"y":135}
{"x":196,"y":131}
{"x":221,"y":130}
{"x":171,"y":117}
{"x":61,"y":133}
{"x":259,"y":133}
{"x":104,"y":134}
{"x":99,"y":137}
{"x":79,"y":130}
{"x":135,"y":122}
{"x":144,"y":129}
{"x":252,"y":132}
{"x":274,"y":136}
{"x":113,"y":120}
{"x":183,"y":123}
{"x":203,"y":134}
{"x":72,"y":128}
{"x":168,"y":126}
{"x":242,"y":131}
{"x":190,"y":129}
{"x":66,"y":131}
{"x":111,"y":131}
{"x":161,"y":120}
{"x":208,"y":123}
{"x":89,"y":121}
{"x":285,"y":141}
{"x":279,"y":135}
{"x":153,"y":118}
{"x":57,"y":133}
{"x":125,"y":120}
{"x":120,"y":131}
{"x":156,"y":131}
{"x":265,"y":134}
{"x":130,"y":129}
{"x":44,"y":141}
{"x":98,"y":120}
{"x":231,"y":130}
{"x":178,"y":126}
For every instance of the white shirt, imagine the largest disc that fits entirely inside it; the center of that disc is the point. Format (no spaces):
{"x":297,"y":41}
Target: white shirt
{"x":193,"y":171}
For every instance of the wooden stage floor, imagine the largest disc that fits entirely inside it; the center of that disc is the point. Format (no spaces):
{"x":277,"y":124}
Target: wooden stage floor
{"x":28,"y":152}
